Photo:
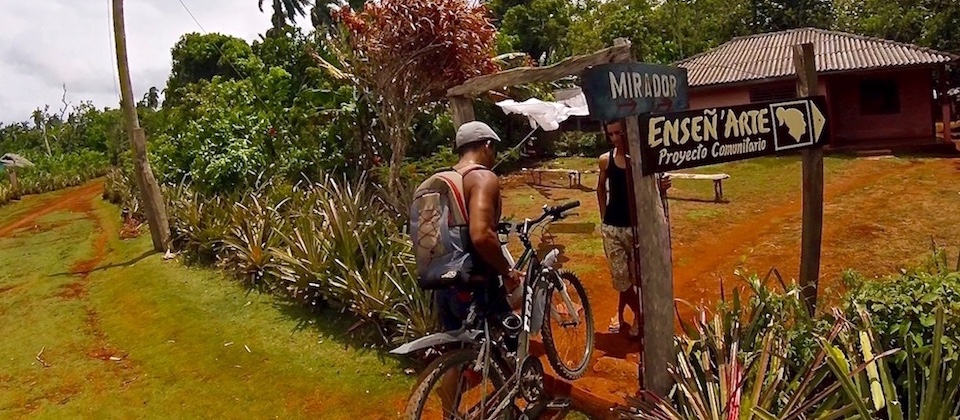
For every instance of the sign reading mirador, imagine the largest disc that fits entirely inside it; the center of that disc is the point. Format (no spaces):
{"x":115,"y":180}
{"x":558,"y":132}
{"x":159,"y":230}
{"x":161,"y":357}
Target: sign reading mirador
{"x":623,"y":89}
{"x":707,"y":136}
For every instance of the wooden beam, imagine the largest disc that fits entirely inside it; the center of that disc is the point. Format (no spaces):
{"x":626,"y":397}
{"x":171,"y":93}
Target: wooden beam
{"x":803,"y":60}
{"x":572,"y":66}
{"x":462,"y":110}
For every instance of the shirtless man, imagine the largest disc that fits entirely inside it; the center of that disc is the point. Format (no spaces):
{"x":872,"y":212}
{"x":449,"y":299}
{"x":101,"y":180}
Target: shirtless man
{"x":476,"y":143}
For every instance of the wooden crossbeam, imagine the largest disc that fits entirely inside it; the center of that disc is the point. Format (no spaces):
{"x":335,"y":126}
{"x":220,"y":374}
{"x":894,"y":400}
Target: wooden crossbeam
{"x":572,"y":66}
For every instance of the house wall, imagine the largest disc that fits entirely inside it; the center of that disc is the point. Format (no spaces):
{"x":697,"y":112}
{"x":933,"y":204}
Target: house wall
{"x":849,"y":127}
{"x":712,"y":97}
{"x":913,"y":124}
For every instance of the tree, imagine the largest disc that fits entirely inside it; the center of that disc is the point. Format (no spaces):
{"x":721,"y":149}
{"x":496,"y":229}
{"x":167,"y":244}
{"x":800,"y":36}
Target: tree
{"x":286,"y":10}
{"x":689,"y":27}
{"x":539,"y":28}
{"x":151,"y":99}
{"x":779,"y":15}
{"x":321,"y":15}
{"x":199,"y":57}
{"x":928,"y":23}
{"x":404,"y":55}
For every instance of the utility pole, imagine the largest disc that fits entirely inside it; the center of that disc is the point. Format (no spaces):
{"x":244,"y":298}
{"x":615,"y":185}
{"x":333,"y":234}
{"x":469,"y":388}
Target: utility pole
{"x":150,"y":193}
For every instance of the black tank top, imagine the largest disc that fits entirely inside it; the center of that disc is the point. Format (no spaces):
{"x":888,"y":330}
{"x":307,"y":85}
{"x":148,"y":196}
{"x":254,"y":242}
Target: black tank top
{"x":618,"y":208}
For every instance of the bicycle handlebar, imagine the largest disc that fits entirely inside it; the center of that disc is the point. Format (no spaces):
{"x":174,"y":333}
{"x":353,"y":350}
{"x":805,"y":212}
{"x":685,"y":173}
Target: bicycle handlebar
{"x":564,"y":207}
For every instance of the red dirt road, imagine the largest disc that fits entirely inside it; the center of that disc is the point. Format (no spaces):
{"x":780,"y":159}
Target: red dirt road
{"x":873,"y":220}
{"x":77,"y":199}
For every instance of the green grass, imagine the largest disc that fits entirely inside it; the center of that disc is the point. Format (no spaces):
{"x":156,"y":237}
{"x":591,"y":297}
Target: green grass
{"x":182,"y":336}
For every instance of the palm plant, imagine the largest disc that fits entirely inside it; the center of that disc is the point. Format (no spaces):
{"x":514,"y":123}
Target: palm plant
{"x":322,"y":13}
{"x":286,"y":11}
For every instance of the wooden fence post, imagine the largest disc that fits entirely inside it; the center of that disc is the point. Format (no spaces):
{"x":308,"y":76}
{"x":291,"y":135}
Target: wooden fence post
{"x":14,"y":183}
{"x":461,"y":108}
{"x":808,"y":85}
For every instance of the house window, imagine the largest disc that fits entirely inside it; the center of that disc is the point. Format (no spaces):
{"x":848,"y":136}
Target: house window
{"x":879,"y":97}
{"x":773,"y":93}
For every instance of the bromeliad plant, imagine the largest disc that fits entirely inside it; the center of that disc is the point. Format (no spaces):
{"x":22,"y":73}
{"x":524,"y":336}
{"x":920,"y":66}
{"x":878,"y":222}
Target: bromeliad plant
{"x":768,"y":359}
{"x":345,"y":245}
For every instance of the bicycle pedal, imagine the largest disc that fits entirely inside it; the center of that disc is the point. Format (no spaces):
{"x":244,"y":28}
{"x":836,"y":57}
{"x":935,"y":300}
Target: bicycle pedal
{"x":559,"y":404}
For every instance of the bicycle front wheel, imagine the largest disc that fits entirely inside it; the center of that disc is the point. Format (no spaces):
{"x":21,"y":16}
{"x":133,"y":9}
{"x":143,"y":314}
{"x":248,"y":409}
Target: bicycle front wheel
{"x":568,"y":327}
{"x":453,"y":388}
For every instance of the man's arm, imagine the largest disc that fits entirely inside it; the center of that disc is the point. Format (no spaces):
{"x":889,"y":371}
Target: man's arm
{"x":602,"y":184}
{"x":484,"y":197}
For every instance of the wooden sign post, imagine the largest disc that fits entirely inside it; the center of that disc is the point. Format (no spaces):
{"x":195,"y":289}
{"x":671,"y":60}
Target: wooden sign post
{"x":625,"y":89}
{"x":807,"y":83}
{"x":694,"y":138}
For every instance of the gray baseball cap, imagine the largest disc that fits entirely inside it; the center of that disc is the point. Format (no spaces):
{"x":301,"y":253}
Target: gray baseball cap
{"x":475,"y":131}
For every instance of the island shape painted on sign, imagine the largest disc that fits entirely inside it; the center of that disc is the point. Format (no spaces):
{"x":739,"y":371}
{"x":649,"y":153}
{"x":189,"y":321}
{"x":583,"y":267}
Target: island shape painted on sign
{"x":702,"y":137}
{"x":624,"y":89}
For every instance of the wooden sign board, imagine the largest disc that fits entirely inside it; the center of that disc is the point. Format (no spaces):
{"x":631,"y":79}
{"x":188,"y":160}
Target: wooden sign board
{"x":620,"y":90}
{"x":702,"y":137}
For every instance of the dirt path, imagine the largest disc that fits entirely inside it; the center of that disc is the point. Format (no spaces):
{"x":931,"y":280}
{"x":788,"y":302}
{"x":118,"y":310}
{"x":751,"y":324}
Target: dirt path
{"x":770,"y":236}
{"x":76,"y":200}
{"x":114,"y":322}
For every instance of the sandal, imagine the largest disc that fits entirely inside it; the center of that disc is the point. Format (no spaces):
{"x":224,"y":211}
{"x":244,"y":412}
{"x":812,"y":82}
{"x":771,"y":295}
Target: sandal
{"x":614,"y":325}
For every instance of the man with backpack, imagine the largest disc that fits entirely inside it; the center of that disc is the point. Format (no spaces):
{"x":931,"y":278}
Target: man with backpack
{"x":454,"y":219}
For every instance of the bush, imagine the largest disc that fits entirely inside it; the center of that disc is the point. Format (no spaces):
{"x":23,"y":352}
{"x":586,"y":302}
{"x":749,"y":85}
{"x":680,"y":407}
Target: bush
{"x":890,"y":352}
{"x":55,"y":172}
{"x":579,"y":144}
{"x":334,"y":243}
{"x":905,"y":304}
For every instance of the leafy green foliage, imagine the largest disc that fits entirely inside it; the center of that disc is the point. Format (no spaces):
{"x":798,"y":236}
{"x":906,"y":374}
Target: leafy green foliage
{"x":55,"y":172}
{"x":767,"y":358}
{"x":539,"y":28}
{"x":906,"y":304}
{"x":199,"y":57}
{"x":286,"y":11}
{"x":779,"y":15}
{"x":332,"y":243}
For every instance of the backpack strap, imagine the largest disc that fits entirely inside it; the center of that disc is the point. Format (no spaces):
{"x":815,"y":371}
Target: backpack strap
{"x":454,"y":178}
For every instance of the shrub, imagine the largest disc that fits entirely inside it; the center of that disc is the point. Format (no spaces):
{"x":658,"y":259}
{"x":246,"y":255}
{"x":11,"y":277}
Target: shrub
{"x":874,"y":358}
{"x":579,"y":144}
{"x":331,"y":243}
{"x":906,"y":303}
{"x":56,"y":172}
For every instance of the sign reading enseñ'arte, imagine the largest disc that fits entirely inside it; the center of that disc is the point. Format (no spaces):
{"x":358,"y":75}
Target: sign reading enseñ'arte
{"x":624,"y":89}
{"x":695,"y":138}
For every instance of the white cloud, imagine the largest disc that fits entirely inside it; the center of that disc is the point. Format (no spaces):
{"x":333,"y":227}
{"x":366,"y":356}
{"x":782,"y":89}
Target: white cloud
{"x":45,"y":44}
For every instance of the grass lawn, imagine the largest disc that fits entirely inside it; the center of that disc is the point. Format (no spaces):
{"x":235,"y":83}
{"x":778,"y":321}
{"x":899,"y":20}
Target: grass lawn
{"x":141,"y":337}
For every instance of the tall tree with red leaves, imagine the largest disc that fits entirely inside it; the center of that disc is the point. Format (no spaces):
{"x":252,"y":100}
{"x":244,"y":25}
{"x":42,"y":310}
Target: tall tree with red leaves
{"x":404,"y":55}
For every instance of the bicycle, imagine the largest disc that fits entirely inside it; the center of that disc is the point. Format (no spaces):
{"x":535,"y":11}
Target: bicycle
{"x":500,"y":357}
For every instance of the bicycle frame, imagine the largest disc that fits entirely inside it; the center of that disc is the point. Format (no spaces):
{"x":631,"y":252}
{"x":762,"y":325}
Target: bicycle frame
{"x":541,"y":275}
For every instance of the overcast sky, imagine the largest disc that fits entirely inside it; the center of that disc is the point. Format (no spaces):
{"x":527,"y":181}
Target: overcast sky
{"x":45,"y":44}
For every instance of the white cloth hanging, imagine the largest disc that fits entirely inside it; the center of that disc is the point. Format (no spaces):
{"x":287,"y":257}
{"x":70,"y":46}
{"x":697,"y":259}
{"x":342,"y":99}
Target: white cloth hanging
{"x":546,"y":115}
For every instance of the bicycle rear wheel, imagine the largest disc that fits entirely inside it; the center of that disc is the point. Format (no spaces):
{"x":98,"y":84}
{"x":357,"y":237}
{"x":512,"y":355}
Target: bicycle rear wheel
{"x":452,"y":389}
{"x":568,"y":339}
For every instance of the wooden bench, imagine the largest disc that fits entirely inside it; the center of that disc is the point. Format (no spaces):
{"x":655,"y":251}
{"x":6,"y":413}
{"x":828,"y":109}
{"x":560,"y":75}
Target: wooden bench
{"x":716,"y":178}
{"x":536,"y":175}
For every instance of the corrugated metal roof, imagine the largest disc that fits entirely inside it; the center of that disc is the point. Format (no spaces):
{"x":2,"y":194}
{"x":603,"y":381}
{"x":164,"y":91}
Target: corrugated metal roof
{"x":770,"y":55}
